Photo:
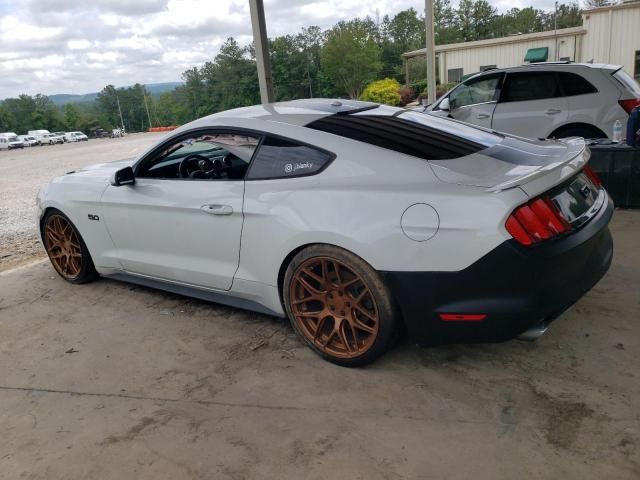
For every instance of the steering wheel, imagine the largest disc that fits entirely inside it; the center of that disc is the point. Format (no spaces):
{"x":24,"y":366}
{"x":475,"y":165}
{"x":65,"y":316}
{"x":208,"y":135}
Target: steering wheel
{"x":199,"y":166}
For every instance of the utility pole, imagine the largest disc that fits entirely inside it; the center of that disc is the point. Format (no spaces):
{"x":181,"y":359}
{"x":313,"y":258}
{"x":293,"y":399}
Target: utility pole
{"x":430,"y":51}
{"x":555,"y":31}
{"x":144,"y":97}
{"x":258,"y":25}
{"x":120,"y":111}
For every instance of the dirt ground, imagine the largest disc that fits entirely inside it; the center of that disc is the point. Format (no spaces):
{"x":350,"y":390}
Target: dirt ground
{"x":112,"y":381}
{"x":23,"y":172}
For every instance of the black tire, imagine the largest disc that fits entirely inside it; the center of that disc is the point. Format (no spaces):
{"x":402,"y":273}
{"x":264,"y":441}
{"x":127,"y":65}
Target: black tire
{"x":585,"y":131}
{"x":86,"y":271}
{"x":377,"y":296}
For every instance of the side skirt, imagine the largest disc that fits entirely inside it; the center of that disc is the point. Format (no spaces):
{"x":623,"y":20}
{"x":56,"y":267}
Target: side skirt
{"x":194,"y":292}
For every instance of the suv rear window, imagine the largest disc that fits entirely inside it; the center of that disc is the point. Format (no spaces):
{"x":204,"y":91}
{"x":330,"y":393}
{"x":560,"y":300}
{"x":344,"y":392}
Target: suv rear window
{"x":573,"y":84}
{"x":410,"y":133}
{"x":524,"y":86}
{"x":627,"y":82}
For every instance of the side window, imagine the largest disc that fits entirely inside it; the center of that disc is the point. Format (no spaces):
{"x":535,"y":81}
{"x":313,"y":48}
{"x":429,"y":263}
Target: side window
{"x":573,"y":84}
{"x":278,"y":158}
{"x":202,"y":156}
{"x":477,"y":90}
{"x":520,"y":87}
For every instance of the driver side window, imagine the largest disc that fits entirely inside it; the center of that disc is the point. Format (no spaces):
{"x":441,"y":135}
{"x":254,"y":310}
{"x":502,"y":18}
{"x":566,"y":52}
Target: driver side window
{"x":478,"y":90}
{"x":202,"y":156}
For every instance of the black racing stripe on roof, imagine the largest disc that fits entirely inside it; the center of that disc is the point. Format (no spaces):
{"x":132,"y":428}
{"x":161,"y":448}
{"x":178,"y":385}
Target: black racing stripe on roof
{"x":398,"y":134}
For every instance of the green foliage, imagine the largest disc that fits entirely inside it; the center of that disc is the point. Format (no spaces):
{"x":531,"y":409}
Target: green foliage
{"x":351,"y":57}
{"x":385,"y":91}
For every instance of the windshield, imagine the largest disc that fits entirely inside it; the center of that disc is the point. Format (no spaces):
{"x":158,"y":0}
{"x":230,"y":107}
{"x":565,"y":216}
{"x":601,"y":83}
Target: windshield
{"x":13,"y":139}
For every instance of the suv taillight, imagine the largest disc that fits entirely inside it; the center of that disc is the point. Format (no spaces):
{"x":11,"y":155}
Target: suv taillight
{"x":536,"y":221}
{"x":630,"y":104}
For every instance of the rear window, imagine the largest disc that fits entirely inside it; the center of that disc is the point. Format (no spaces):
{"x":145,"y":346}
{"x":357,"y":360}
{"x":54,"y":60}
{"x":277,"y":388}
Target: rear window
{"x":573,"y":84}
{"x":416,"y":134}
{"x":627,"y":82}
{"x":520,"y":87}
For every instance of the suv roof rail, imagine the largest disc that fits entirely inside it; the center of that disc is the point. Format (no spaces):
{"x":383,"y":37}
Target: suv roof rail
{"x":556,"y":62}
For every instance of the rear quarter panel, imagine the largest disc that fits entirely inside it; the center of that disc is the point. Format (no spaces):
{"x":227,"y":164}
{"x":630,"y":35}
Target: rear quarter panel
{"x":357,"y":204}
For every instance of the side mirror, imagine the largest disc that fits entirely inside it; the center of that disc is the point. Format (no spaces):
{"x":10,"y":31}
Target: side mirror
{"x":124,"y":176}
{"x":444,"y":104}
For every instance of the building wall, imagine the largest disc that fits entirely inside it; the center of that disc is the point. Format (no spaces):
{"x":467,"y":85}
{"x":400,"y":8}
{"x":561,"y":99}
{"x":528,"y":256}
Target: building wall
{"x":613,"y":36}
{"x":504,"y":55}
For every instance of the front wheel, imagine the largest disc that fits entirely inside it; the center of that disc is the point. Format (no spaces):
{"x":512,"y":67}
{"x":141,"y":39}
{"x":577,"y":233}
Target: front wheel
{"x":66,"y":249}
{"x":339,"y":305}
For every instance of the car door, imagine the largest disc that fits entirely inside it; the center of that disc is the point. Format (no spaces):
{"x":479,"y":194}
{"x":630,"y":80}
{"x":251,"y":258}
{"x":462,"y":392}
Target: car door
{"x":475,"y":100}
{"x":531,"y":105}
{"x":183,"y":227}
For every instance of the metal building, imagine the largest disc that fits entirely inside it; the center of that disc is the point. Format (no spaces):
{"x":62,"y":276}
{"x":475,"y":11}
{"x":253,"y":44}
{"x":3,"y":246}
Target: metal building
{"x":608,"y":34}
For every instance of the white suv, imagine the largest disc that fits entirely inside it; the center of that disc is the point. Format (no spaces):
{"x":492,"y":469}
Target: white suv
{"x":545,"y":100}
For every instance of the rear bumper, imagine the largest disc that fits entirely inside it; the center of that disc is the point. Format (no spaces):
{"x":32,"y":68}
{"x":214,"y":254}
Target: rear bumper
{"x":515,"y":287}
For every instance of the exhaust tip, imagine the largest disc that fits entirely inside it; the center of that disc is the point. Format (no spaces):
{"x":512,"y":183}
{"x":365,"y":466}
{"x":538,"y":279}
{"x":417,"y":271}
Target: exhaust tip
{"x":534,"y":333}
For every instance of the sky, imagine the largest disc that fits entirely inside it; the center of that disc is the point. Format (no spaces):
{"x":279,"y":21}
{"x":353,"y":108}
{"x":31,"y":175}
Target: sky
{"x":79,"y":46}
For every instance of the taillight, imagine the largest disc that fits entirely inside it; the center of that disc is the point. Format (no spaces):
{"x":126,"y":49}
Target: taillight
{"x":630,"y":104}
{"x":593,"y":176}
{"x":536,"y":221}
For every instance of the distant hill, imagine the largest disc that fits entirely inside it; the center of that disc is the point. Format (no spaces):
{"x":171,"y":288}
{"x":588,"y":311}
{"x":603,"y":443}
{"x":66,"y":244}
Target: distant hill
{"x":153,"y":89}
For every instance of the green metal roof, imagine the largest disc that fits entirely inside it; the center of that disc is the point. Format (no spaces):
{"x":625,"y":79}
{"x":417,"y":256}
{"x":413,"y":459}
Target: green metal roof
{"x":539,"y":54}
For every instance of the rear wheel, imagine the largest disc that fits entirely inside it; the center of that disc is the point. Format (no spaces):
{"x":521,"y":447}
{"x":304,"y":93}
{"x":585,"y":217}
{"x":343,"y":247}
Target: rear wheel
{"x":66,"y":249}
{"x":339,"y":305}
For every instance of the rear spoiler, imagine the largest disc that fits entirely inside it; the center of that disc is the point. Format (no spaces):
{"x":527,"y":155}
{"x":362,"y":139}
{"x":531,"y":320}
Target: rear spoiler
{"x":576,"y":161}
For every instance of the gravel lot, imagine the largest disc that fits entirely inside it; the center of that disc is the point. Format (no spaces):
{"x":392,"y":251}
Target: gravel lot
{"x":23,"y":172}
{"x":112,"y":381}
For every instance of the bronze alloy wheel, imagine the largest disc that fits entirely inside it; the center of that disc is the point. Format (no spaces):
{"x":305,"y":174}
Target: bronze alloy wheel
{"x":63,"y":246}
{"x":334,"y":308}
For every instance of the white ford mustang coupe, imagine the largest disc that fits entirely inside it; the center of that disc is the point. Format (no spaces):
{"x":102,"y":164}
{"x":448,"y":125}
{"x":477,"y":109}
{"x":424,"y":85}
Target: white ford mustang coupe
{"x":355,"y":220}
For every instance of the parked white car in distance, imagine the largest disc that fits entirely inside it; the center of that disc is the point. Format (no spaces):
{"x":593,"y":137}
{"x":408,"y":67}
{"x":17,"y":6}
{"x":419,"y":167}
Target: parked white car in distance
{"x":9,"y":141}
{"x":40,"y":135}
{"x":544,"y":100}
{"x":28,"y":140}
{"x":75,"y":137}
{"x":50,"y":139}
{"x":61,"y":135}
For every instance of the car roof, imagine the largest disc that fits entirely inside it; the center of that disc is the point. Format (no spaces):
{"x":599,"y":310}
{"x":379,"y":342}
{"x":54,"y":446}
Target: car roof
{"x":293,"y":112}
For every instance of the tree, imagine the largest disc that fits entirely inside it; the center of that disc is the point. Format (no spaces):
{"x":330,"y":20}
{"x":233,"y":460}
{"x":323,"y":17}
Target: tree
{"x":107,"y":103}
{"x":597,"y":3}
{"x":569,"y":15}
{"x":71,"y":117}
{"x":350,"y":57}
{"x":475,"y":18}
{"x":444,"y":18}
{"x":7,"y":119}
{"x":231,"y":79}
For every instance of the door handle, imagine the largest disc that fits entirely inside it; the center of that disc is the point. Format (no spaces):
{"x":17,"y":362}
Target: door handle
{"x":481,"y":116}
{"x":216,"y":209}
{"x":553,"y":111}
